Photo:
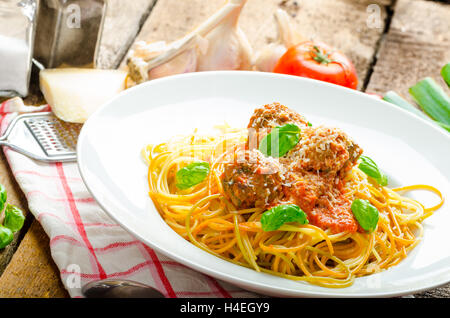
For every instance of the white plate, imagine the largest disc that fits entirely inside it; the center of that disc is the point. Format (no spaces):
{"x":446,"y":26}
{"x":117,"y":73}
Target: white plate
{"x":408,"y":148}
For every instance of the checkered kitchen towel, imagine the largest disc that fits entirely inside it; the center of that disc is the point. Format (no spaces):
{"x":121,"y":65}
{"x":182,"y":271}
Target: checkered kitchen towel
{"x":85,"y":243}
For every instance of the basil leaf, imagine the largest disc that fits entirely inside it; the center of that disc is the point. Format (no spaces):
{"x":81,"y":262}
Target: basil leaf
{"x":192,"y":175}
{"x":3,"y":197}
{"x":366,"y":214}
{"x":280,"y":140}
{"x":14,"y":218}
{"x":272,"y":219}
{"x":369,"y":167}
{"x":6,"y":236}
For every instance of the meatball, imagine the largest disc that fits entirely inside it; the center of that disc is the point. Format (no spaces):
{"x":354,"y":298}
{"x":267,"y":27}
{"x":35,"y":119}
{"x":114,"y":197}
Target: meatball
{"x":252,"y":180}
{"x":323,"y":149}
{"x":268,"y":117}
{"x":273,"y":115}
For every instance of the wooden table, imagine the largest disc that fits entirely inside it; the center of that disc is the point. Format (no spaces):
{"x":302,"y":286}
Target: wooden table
{"x":411,"y":41}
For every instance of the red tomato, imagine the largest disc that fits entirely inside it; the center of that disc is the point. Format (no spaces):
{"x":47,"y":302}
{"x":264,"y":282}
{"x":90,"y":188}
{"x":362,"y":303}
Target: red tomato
{"x":319,"y":61}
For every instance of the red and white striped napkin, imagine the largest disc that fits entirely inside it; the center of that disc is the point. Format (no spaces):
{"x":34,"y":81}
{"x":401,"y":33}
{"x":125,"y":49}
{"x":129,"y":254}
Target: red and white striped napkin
{"x":85,"y":243}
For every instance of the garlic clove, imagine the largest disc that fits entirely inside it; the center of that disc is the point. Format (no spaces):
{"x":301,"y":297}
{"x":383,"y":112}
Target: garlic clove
{"x":246,"y":51}
{"x":218,"y":43}
{"x":287,"y":34}
{"x":267,"y":58}
{"x":228,"y":47}
{"x":147,"y":51}
{"x":145,"y":57}
{"x":186,"y":62}
{"x":226,"y":51}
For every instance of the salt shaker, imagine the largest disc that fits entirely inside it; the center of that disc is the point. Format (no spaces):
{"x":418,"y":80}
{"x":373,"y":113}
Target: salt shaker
{"x":17,"y":30}
{"x":68,"y":32}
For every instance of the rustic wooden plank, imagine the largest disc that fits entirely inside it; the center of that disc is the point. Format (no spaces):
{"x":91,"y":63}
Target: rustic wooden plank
{"x":417,"y":45}
{"x":31,"y":272}
{"x":15,"y":197}
{"x":339,"y":22}
{"x":171,"y":19}
{"x":122,"y":23}
{"x":342,"y":23}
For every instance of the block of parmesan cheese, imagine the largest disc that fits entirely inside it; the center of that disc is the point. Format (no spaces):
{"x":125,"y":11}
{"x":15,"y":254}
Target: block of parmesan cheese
{"x":75,"y":93}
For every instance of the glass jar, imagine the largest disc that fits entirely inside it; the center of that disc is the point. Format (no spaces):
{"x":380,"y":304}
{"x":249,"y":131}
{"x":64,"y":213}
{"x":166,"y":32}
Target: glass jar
{"x":68,"y":32}
{"x":17,"y":30}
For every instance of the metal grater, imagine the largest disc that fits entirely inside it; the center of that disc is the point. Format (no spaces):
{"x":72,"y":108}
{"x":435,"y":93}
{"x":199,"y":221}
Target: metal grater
{"x":43,"y":137}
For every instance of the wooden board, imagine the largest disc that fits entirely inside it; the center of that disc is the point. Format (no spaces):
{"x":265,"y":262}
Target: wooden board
{"x":32,"y":272}
{"x":416,"y":24}
{"x":417,"y":45}
{"x":123,"y":21}
{"x":15,"y":197}
{"x":342,"y":23}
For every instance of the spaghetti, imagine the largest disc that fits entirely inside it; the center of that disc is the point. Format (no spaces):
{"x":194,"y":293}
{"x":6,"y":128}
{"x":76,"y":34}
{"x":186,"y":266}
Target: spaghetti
{"x":205,"y":215}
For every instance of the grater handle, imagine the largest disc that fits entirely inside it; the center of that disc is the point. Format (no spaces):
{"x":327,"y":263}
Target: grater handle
{"x":4,"y":142}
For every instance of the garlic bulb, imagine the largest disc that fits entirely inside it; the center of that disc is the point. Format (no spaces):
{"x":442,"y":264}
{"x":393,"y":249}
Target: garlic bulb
{"x":158,"y":59}
{"x":268,"y":57}
{"x":217,"y":44}
{"x":184,"y":63}
{"x":228,"y":47}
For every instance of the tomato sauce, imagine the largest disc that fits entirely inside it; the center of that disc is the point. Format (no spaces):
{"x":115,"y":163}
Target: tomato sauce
{"x":337,"y":217}
{"x":323,"y":201}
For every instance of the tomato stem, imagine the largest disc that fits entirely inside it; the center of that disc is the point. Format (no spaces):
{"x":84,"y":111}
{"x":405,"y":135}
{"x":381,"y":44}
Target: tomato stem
{"x":319,"y":56}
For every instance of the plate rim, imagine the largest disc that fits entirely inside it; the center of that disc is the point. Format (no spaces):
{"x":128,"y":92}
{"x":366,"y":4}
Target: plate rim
{"x":327,"y":292}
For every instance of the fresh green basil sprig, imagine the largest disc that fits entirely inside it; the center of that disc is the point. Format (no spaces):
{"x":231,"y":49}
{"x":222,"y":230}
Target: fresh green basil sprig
{"x":14,"y":218}
{"x":3,"y":197}
{"x":273,"y":219}
{"x":13,"y":221}
{"x":191,"y":175}
{"x":6,"y":236}
{"x":369,"y":167}
{"x":280,"y":140}
{"x":366,"y":214}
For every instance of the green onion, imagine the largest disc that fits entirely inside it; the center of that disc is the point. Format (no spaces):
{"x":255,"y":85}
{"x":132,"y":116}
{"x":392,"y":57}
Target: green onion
{"x":432,"y":99}
{"x":394,"y":98}
{"x":445,"y":72}
{"x":445,"y":126}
